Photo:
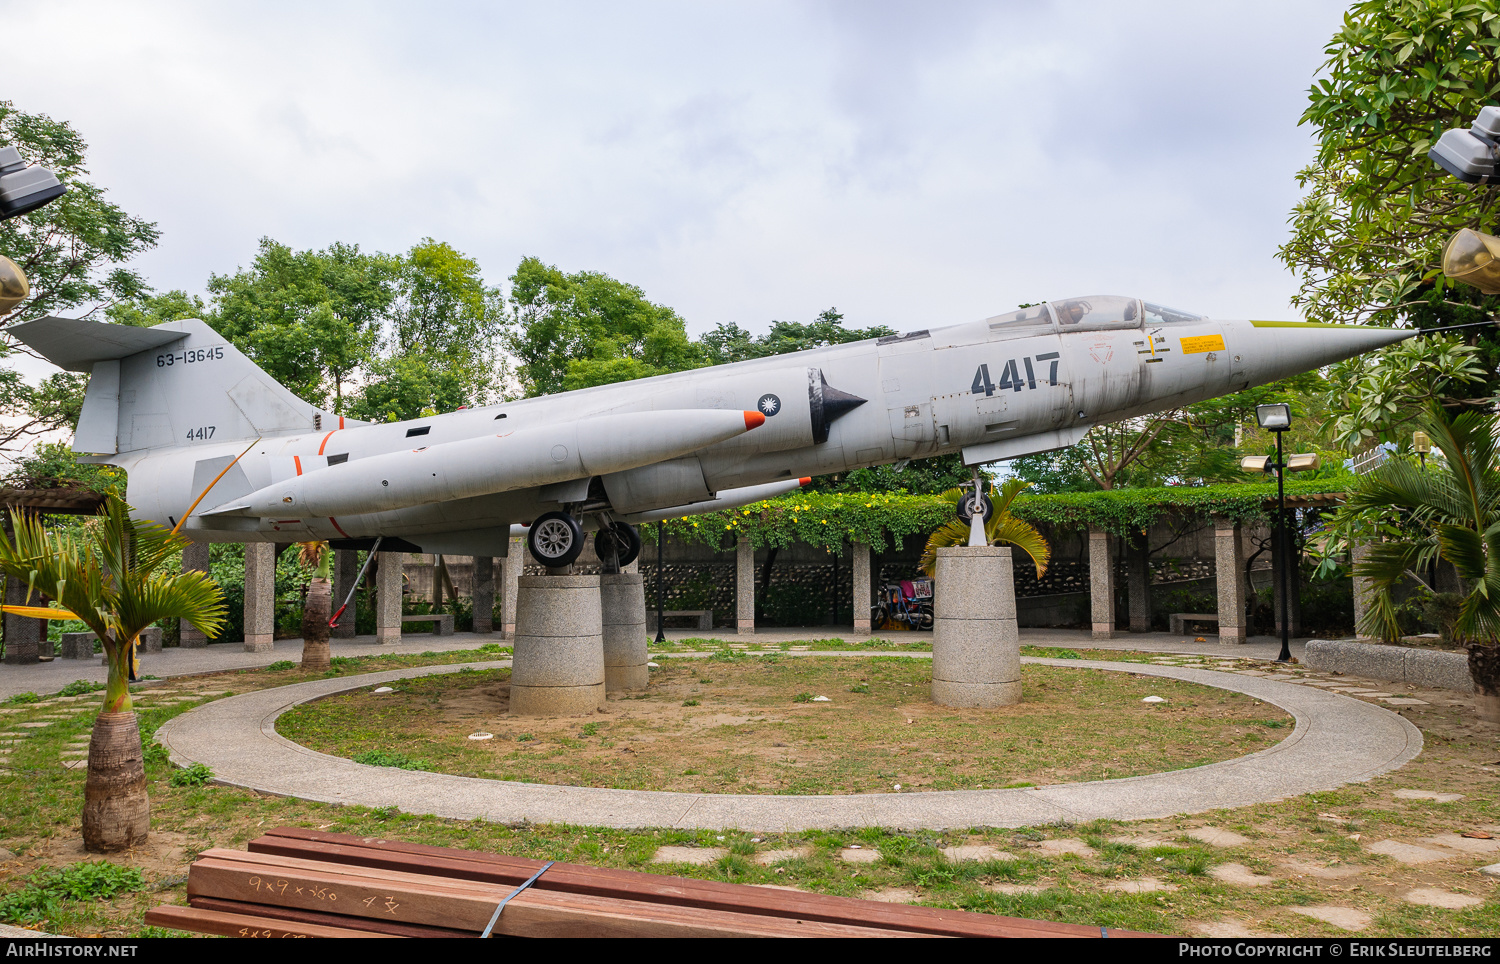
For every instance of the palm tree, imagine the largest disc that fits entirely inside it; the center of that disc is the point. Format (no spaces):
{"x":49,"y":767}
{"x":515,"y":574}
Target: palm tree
{"x":108,"y":575}
{"x":318,"y":606}
{"x":1449,"y":509}
{"x":1001,"y":527}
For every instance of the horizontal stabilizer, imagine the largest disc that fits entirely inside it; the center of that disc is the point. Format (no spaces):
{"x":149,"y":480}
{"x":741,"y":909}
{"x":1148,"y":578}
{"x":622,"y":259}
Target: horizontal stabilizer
{"x":76,"y":344}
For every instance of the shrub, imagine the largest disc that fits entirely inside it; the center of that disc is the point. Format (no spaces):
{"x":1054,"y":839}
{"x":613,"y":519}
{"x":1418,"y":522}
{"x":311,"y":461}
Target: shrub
{"x":79,"y":687}
{"x":389,"y":758}
{"x":194,"y":776}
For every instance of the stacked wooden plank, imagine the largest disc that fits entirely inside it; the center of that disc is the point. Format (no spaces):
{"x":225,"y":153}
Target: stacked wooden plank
{"x":296,"y":882}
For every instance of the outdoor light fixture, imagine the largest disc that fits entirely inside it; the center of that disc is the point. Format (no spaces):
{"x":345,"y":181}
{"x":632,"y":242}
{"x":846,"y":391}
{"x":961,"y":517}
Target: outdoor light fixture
{"x":24,"y":189}
{"x":1276,"y":417}
{"x":1469,"y":155}
{"x":13,"y":286}
{"x":1422,"y":445}
{"x":1256,"y":463}
{"x":1473,"y":258}
{"x":1303,"y":463}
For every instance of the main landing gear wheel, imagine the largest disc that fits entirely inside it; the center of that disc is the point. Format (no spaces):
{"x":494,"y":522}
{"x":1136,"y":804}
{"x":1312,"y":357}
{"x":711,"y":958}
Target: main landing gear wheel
{"x":555,"y":539}
{"x":966,"y":504}
{"x":619,"y":540}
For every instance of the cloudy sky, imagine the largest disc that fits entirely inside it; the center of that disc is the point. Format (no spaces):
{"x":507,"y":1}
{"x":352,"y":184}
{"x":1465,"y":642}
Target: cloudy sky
{"x":912,"y":164}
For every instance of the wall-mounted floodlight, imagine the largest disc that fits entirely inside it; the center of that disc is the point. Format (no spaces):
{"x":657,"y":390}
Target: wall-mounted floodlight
{"x":1469,"y":155}
{"x":1260,"y":464}
{"x":24,"y":189}
{"x":13,"y":286}
{"x":1276,"y":417}
{"x":1303,"y":463}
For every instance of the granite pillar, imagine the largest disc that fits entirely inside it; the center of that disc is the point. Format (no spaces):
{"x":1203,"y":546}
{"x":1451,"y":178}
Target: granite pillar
{"x":744,"y":586}
{"x":1101,"y":585}
{"x":1293,"y":583}
{"x":622,"y":608}
{"x":862,"y":601}
{"x":1229,"y":566}
{"x":557,"y":666}
{"x":345,"y":571}
{"x":484,"y":594}
{"x":388,"y":596}
{"x":1138,"y":581}
{"x":1363,"y":587}
{"x":260,"y":597}
{"x":194,"y":558}
{"x":976,"y":645}
{"x":23,"y":636}
{"x":510,"y":575}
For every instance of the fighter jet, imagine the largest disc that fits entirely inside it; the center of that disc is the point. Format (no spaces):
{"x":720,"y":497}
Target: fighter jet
{"x":204,"y":433}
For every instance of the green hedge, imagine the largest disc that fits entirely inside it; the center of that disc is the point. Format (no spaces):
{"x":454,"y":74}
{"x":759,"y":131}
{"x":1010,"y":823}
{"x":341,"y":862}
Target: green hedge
{"x":831,"y":519}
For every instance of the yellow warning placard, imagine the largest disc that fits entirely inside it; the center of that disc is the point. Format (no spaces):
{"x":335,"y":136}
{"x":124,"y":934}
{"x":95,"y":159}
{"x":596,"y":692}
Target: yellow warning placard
{"x":1198,"y":344}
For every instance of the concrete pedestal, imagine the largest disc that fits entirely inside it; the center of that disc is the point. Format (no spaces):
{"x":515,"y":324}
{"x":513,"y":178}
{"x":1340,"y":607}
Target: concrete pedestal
{"x":622,"y":608}
{"x":260,"y":597}
{"x":557,"y":667}
{"x":194,"y":557}
{"x":77,"y":645}
{"x":345,"y":571}
{"x":976,"y":645}
{"x":1101,"y":585}
{"x":388,"y":596}
{"x":1363,"y":587}
{"x":1138,"y":582}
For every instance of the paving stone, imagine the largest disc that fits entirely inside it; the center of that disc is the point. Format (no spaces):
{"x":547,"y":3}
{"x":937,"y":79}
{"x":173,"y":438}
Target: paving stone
{"x":1012,"y":890}
{"x":1468,"y":845}
{"x":1065,"y":845}
{"x":1493,"y":870}
{"x":1408,"y":853}
{"x":893,"y":895}
{"x":1145,"y":843}
{"x":859,"y":855}
{"x":74,"y":753}
{"x":1239,"y":875}
{"x":1432,"y":897}
{"x":1405,"y":794}
{"x":1145,"y":885}
{"x":35,"y":725}
{"x":768,"y":857}
{"x":689,"y":855}
{"x":1215,"y":837}
{"x":1344,"y":917}
{"x":964,"y":852}
{"x":1330,"y":872}
{"x":75,"y":764}
{"x":1225,"y":928}
{"x":1403,"y":701}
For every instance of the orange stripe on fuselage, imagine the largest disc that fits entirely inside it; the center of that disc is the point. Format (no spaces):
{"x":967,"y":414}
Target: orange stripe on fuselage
{"x":297,"y":460}
{"x":339,"y":527}
{"x":329,"y":436}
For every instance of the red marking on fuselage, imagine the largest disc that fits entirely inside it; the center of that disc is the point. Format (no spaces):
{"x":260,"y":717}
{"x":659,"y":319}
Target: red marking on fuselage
{"x":329,"y":436}
{"x":339,"y":527}
{"x":297,"y":461}
{"x":341,"y":421}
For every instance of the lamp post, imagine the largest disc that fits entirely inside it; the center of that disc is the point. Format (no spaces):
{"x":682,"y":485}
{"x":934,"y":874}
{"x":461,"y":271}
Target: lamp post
{"x":1422,"y":445}
{"x":661,"y":539}
{"x":1278,"y":418}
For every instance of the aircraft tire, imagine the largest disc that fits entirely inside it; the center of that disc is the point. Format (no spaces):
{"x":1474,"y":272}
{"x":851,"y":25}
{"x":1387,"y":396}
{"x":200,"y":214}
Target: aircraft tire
{"x":628,"y":542}
{"x":966,"y":507}
{"x":555,"y":539}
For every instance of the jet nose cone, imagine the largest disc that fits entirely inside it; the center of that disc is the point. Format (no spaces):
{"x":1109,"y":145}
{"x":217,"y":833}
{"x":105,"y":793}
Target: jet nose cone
{"x":1276,"y":349}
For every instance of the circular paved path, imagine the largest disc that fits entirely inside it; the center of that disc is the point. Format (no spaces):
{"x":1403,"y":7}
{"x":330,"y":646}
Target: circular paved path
{"x":1337,"y":740}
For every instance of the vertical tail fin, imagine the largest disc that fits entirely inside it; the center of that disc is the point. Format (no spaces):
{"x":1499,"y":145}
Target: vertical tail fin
{"x":171,"y":385}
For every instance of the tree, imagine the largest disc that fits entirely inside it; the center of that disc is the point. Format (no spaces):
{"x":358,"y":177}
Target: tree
{"x":74,"y":249}
{"x":112,"y":575}
{"x":317,"y":606}
{"x":310,"y":319}
{"x":731,"y":343}
{"x":577,"y":330}
{"x":404,"y":387}
{"x":1367,"y":237}
{"x":446,"y":316}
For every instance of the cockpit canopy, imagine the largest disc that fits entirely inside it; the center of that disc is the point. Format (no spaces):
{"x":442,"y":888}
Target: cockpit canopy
{"x":1093,"y":313}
